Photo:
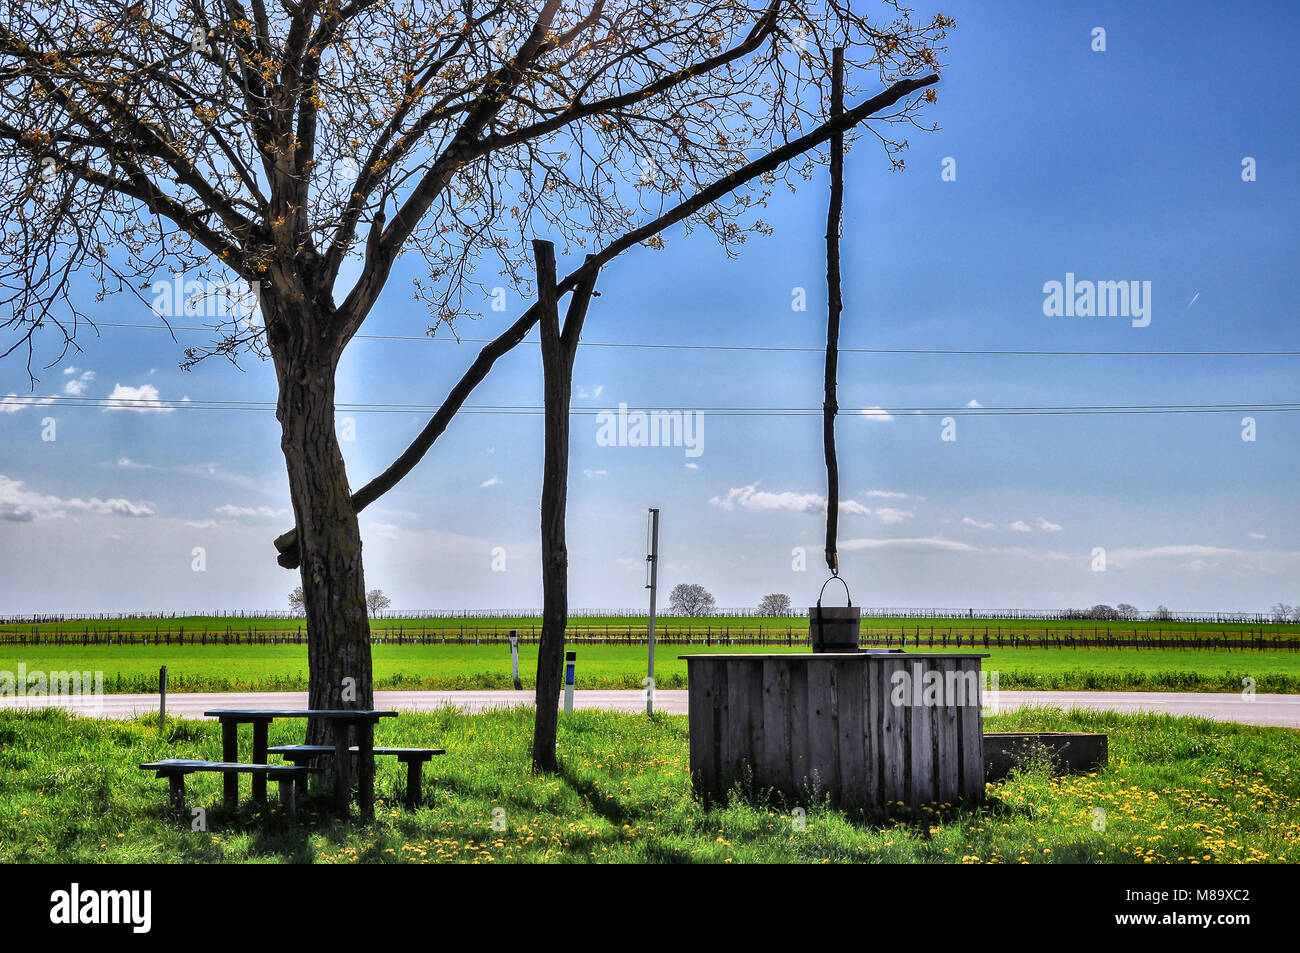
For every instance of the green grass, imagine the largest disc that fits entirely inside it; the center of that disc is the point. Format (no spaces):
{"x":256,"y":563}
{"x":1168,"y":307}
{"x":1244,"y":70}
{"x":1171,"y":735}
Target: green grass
{"x":1177,"y":791}
{"x":194,"y":668}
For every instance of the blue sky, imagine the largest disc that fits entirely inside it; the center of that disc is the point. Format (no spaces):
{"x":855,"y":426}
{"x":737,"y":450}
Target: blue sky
{"x":1116,"y":165}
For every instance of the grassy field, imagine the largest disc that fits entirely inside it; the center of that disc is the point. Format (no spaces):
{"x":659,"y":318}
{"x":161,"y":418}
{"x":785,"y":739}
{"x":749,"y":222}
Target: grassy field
{"x":284,"y":667}
{"x":1176,"y":791}
{"x":637,"y":624}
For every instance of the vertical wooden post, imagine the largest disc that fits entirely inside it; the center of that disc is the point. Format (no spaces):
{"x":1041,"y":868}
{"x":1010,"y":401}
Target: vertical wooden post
{"x":557,"y":386}
{"x":176,"y":788}
{"x":229,"y":753}
{"x":342,"y":774}
{"x":366,"y":768}
{"x":259,"y":757}
{"x":834,"y":305}
{"x":287,"y":799}
{"x":413,"y":771}
{"x":162,"y":698}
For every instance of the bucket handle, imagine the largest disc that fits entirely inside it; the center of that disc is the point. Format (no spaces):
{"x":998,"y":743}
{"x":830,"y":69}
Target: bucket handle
{"x":847,"y":595}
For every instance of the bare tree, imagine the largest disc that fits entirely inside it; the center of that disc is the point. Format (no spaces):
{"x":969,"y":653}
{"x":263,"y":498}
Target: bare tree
{"x":1126,"y":611}
{"x":559,"y":348}
{"x":690,"y":599}
{"x":268,"y":143}
{"x":775,"y":604}
{"x":295,"y":598}
{"x":376,"y":601}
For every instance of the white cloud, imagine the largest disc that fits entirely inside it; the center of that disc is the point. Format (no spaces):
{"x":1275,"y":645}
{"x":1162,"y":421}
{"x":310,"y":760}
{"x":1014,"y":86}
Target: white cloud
{"x":692,"y":466}
{"x":876,"y":413}
{"x":1019,"y":526}
{"x":143,"y":398}
{"x":1258,"y":536}
{"x":201,"y":469}
{"x":752,"y":498}
{"x":21,"y":505}
{"x":886,"y":494}
{"x":239,"y":512}
{"x":589,"y":474}
{"x":76,"y":386}
{"x":913,"y":543}
{"x":491,"y":481}
{"x":1037,"y":555}
{"x":383,"y":530}
{"x":973,"y":403}
{"x":1171,"y":552}
{"x":892,"y":517}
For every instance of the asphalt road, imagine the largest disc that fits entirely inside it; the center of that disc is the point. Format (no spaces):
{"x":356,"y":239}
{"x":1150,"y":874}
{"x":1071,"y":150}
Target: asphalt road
{"x":1272,"y":710}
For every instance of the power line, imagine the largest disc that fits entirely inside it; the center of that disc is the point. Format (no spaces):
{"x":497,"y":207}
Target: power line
{"x":798,"y":349}
{"x":156,"y":405}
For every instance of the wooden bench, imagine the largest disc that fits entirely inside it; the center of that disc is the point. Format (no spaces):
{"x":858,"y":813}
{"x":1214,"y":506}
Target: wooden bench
{"x":413,"y":758}
{"x":175,"y":770}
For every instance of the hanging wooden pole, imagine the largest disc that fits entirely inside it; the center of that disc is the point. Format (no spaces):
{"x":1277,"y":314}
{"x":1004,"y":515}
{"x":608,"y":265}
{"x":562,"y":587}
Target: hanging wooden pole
{"x":834,"y":305}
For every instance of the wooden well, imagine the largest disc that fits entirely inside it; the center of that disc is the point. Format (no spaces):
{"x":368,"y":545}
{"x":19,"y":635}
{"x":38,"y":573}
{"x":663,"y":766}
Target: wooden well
{"x":868,"y":729}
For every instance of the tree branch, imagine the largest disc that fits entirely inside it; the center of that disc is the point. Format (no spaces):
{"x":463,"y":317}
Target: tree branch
{"x":287,"y":543}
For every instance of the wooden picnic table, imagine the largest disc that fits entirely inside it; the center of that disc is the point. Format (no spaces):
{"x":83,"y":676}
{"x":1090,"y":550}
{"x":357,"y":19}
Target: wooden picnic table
{"x":363,"y":719}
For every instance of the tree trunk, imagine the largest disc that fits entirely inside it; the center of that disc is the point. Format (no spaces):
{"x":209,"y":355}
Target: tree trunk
{"x":333,"y":581}
{"x":557,"y":375}
{"x":558,"y":352}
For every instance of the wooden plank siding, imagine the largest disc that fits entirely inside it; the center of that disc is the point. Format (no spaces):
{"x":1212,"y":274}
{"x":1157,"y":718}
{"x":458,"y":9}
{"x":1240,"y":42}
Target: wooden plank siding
{"x":840,"y":727}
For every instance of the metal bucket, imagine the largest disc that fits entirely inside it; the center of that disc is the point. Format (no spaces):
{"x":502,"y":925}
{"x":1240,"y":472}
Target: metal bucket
{"x":834,"y":628}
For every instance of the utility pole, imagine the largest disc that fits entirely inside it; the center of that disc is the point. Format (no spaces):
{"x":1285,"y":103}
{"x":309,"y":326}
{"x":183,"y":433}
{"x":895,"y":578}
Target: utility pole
{"x":652,"y":564}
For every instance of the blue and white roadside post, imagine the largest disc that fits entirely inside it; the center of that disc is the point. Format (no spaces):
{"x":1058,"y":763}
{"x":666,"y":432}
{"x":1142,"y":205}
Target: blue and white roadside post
{"x":570,"y":663}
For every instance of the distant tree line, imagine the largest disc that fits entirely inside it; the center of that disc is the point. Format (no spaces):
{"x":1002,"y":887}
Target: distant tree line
{"x":1280,"y":612}
{"x":692,"y":599}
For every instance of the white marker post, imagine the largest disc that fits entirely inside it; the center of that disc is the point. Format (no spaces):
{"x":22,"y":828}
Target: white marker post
{"x":570,"y":663}
{"x":514,"y":659}
{"x":652,"y":565}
